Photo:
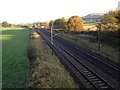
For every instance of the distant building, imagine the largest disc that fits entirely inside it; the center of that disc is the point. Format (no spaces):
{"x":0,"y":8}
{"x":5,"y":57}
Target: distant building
{"x":119,"y":5}
{"x":0,"y":25}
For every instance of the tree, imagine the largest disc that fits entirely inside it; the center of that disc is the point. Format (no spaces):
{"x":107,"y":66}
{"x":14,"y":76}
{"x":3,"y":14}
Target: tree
{"x":60,"y":23}
{"x":118,"y":18}
{"x":110,"y":17}
{"x":51,"y":23}
{"x":75,"y":23}
{"x":111,"y":20}
{"x":5,"y":24}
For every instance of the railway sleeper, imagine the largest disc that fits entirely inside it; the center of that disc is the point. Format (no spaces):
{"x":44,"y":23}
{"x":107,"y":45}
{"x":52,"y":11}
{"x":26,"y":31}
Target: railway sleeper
{"x":86,"y":71}
{"x":95,"y":79}
{"x":92,"y":77}
{"x":102,"y":85}
{"x":97,"y":82}
{"x":88,"y":74}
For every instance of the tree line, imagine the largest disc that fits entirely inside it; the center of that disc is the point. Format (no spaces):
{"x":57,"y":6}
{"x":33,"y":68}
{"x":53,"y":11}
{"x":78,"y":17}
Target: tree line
{"x":6,"y":24}
{"x":111,"y":22}
{"x":74,"y":23}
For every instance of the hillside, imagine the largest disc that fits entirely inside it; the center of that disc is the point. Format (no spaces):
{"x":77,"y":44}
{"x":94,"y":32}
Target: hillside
{"x":93,"y":17}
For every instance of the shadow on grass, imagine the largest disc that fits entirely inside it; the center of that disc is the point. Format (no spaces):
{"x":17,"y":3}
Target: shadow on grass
{"x":10,"y":33}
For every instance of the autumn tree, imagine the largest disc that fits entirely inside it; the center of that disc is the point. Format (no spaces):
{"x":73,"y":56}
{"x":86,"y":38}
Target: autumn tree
{"x":60,"y":23}
{"x":118,"y":18}
{"x":75,"y":23}
{"x":111,"y":20}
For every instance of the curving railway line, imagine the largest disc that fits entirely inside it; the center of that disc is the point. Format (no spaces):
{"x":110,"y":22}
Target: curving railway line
{"x":90,"y":70}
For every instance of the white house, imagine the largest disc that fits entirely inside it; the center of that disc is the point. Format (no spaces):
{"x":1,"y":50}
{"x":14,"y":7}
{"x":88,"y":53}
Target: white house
{"x":0,"y":25}
{"x":119,"y":5}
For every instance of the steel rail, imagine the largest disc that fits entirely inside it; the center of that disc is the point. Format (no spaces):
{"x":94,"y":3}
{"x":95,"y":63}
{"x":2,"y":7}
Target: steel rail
{"x":100,"y":83}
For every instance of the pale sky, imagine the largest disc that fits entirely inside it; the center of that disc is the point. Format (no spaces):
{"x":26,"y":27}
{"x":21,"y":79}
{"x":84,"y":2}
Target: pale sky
{"x":28,"y":11}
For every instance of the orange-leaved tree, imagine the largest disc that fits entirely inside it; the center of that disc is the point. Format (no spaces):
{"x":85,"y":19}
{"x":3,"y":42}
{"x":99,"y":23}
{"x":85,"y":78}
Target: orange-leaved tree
{"x":75,"y":23}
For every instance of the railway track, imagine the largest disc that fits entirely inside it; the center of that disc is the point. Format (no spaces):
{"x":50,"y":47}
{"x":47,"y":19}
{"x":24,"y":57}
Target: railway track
{"x":82,"y":69}
{"x":108,"y":67}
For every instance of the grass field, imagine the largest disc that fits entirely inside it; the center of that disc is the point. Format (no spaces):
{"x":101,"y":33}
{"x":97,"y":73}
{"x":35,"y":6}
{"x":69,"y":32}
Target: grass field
{"x":14,"y":57}
{"x":88,"y":22}
{"x":92,"y":27}
{"x":89,"y":25}
{"x":46,"y":71}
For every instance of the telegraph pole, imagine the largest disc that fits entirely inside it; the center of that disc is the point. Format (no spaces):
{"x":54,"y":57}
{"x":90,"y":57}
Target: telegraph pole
{"x":51,"y":27}
{"x":51,"y":35}
{"x":99,"y":37}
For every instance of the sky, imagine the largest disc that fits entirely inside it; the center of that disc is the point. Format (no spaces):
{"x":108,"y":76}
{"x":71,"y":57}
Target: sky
{"x":29,"y":11}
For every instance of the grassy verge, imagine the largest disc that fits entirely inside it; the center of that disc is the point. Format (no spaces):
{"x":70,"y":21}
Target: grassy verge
{"x":106,"y":51}
{"x":14,"y":57}
{"x":45,"y":69}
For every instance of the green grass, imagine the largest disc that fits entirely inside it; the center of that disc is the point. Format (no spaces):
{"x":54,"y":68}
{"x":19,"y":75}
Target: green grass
{"x":88,"y":22}
{"x":46,"y":71}
{"x":14,"y":57}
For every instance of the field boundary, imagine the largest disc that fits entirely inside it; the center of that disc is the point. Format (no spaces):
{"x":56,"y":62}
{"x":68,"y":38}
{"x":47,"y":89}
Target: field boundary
{"x":0,"y":61}
{"x":46,"y":71}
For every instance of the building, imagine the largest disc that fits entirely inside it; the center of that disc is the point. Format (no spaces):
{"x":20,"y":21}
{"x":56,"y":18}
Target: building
{"x":0,"y":25}
{"x":119,"y":5}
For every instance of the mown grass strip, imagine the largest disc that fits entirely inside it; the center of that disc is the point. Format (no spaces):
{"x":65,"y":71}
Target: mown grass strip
{"x":14,"y":57}
{"x":46,"y":71}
